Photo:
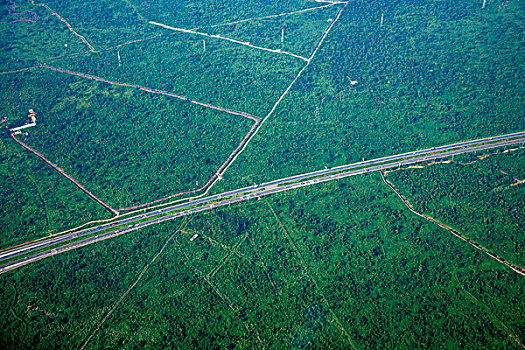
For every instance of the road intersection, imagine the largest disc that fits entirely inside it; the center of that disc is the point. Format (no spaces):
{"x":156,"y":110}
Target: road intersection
{"x":25,"y":254}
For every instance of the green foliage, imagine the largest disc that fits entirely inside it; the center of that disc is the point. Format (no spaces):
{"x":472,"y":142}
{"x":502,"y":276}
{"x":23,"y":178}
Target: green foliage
{"x":305,"y":264}
{"x":103,"y":23}
{"x":59,"y":301}
{"x":226,"y":74}
{"x":36,"y":200}
{"x":124,"y":145}
{"x":477,"y":199}
{"x":302,"y":31}
{"x":191,"y":13}
{"x":317,"y":267}
{"x":436,"y":72}
{"x":26,"y":43}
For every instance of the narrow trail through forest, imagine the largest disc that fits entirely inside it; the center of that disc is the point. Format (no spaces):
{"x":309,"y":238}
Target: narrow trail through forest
{"x":220,"y":37}
{"x":283,"y":95}
{"x":63,"y":173}
{"x":517,"y":269}
{"x":266,"y":17}
{"x":153,"y":91}
{"x":306,"y":271}
{"x":130,"y":288}
{"x":236,"y":152}
{"x":53,"y":13}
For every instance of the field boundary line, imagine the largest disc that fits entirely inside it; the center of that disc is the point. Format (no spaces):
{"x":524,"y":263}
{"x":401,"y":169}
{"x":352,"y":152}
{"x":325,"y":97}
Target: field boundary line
{"x":130,"y":288}
{"x":479,"y":303}
{"x":291,"y":84}
{"x":53,"y":13}
{"x":457,"y":234}
{"x":307,"y":273}
{"x":67,"y":176}
{"x":222,"y":296}
{"x":267,"y":17}
{"x":222,"y":168}
{"x":220,"y":37}
{"x":223,"y":261}
{"x":18,"y":70}
{"x":151,"y":90}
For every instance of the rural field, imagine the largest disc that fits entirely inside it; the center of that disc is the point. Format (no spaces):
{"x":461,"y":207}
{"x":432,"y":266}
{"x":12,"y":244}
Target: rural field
{"x":302,"y":174}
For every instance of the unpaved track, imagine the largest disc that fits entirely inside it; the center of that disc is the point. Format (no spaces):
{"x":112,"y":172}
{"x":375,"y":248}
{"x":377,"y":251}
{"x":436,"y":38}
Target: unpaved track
{"x":67,"y":176}
{"x":514,"y":268}
{"x":220,"y":37}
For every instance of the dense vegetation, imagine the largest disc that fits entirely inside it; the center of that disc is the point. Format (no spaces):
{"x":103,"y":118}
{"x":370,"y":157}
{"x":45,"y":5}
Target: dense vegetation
{"x":29,"y":36}
{"x":482,"y":200}
{"x":336,"y":265}
{"x":301,"y":31}
{"x":36,"y":200}
{"x":126,"y":146}
{"x":291,"y":270}
{"x":226,"y":74}
{"x":435,"y":72}
{"x":104,"y":23}
{"x":192,"y":13}
{"x":56,"y":304}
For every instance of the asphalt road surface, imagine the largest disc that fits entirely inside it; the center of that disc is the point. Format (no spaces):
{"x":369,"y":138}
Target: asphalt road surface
{"x":243,"y":194}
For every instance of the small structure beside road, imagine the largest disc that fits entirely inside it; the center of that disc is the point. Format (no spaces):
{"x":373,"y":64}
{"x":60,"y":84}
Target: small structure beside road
{"x":32,"y":117}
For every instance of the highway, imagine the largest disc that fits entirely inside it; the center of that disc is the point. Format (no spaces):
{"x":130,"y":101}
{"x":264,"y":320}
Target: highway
{"x":247,"y":193}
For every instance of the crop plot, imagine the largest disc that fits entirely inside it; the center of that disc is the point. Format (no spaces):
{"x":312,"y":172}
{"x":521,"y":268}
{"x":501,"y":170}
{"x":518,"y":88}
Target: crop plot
{"x":125,"y":145}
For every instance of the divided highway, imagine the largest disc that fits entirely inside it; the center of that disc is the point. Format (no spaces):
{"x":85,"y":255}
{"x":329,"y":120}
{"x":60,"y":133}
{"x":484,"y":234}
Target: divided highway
{"x":193,"y":206}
